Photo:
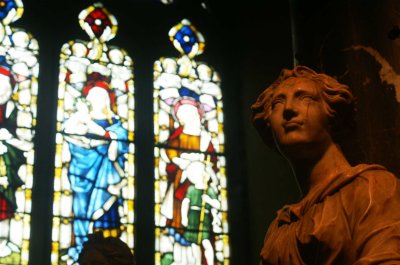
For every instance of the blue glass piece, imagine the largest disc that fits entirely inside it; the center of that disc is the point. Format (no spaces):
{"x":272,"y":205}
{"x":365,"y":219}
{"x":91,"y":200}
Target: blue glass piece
{"x":3,"y":61}
{"x":186,"y":92}
{"x":110,"y":219}
{"x":5,"y":7}
{"x":186,"y":38}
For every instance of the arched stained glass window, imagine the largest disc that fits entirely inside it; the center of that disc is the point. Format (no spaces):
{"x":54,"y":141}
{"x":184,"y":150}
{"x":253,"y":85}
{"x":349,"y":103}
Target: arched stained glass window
{"x":190,"y":181}
{"x":19,"y":69}
{"x":94,"y":163}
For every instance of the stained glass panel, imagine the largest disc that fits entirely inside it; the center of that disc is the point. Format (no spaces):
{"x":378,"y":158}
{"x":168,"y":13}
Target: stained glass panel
{"x":94,"y":163}
{"x":19,"y":69}
{"x":190,"y":181}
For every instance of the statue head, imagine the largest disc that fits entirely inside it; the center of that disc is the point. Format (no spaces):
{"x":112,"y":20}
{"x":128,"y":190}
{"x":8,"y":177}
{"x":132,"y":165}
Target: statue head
{"x":335,"y":99}
{"x":105,"y":250}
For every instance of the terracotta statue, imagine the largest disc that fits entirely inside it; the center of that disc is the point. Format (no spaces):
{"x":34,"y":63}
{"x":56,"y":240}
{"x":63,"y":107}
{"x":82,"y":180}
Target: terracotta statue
{"x":348,"y":214}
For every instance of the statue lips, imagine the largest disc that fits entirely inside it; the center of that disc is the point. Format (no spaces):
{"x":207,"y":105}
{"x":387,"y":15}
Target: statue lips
{"x":289,"y":126}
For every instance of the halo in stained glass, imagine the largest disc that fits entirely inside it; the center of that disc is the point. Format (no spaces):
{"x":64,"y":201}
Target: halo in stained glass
{"x":187,"y":39}
{"x":98,"y":22}
{"x":10,"y":10}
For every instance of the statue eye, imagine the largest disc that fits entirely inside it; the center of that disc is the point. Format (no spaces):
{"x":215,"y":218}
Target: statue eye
{"x":275,"y":102}
{"x":307,"y":97}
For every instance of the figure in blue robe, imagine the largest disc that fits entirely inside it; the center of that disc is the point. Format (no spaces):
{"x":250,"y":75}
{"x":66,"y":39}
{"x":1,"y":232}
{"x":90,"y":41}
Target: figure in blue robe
{"x":97,"y":143}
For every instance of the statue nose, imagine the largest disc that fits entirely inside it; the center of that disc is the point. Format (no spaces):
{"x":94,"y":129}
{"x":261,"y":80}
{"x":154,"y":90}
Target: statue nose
{"x":290,"y":110}
{"x":288,"y":114}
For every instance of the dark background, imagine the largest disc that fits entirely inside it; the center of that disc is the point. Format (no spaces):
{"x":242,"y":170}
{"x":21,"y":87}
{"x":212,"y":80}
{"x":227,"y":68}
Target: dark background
{"x":266,"y":47}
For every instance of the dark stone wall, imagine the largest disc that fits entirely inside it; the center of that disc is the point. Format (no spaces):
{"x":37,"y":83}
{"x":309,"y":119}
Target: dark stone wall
{"x":266,"y":48}
{"x":358,"y":42}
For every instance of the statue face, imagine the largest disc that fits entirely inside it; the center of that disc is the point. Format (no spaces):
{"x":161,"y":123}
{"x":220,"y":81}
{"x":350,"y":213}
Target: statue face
{"x":297,"y":116}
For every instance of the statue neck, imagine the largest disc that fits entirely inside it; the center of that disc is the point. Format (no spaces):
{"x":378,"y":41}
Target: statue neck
{"x":320,"y":169}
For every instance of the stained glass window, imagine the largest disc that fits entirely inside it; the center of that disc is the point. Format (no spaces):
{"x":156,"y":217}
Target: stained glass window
{"x":190,"y":180}
{"x":94,"y":160}
{"x":19,"y":69}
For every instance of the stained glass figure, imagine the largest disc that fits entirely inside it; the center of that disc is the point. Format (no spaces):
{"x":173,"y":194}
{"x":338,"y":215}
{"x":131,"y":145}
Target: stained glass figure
{"x":190,"y":181}
{"x":94,"y":167}
{"x":19,"y":69}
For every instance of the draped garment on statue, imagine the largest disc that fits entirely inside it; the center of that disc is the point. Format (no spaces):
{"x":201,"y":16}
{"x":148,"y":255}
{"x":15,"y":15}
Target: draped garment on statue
{"x":353,"y":219}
